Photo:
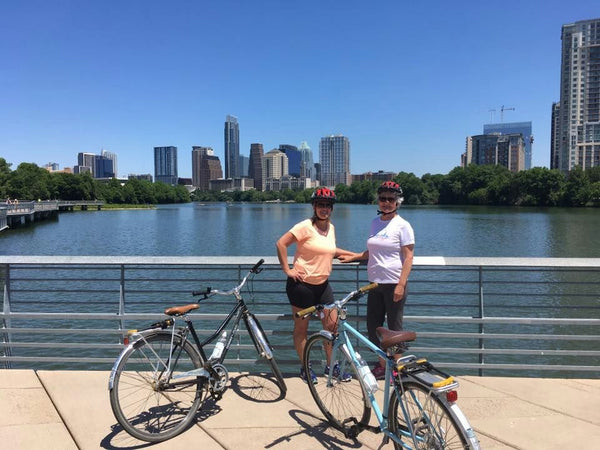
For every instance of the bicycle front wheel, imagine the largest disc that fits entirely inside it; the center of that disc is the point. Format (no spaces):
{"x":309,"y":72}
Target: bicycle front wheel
{"x":433,"y":422}
{"x":264,"y":348}
{"x":148,"y":402}
{"x":340,"y":397}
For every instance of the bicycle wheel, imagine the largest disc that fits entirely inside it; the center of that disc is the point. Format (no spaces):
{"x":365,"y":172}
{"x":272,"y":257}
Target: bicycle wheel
{"x":264,"y":348}
{"x":434,"y":423}
{"x":341,"y":400}
{"x":148,"y":402}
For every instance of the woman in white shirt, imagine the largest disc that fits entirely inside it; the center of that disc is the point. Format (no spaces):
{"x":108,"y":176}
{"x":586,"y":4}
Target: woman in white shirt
{"x":390,"y":250}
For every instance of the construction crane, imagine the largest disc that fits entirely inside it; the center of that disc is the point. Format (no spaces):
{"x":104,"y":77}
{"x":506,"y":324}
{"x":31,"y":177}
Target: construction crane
{"x":492,"y":112}
{"x":502,"y":109}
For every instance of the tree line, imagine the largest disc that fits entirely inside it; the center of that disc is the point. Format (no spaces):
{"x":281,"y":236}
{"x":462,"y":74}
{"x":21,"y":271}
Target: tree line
{"x":473,"y":185}
{"x":30,"y":182}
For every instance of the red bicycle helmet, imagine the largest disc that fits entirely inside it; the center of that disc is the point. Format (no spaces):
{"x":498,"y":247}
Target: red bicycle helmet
{"x":390,"y":186}
{"x":323,"y":194}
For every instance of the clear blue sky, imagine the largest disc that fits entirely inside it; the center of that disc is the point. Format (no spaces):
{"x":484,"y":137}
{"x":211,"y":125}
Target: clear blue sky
{"x":406,"y":82}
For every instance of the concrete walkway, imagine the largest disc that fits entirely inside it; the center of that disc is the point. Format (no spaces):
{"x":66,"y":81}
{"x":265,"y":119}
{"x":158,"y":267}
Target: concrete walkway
{"x":71,"y":410}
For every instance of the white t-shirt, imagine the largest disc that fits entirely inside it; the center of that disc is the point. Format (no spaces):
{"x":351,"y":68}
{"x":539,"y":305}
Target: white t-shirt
{"x":384,"y":245}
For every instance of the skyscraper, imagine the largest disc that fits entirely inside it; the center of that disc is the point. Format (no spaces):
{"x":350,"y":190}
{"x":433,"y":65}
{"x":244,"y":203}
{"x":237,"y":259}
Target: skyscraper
{"x":205,"y":167}
{"x":506,"y":150}
{"x":232,"y":147}
{"x":274,"y":165}
{"x":165,"y":165}
{"x":255,"y":165}
{"x":307,"y":169}
{"x":334,"y":156}
{"x":511,"y":128}
{"x":294,"y":159}
{"x":579,"y":111}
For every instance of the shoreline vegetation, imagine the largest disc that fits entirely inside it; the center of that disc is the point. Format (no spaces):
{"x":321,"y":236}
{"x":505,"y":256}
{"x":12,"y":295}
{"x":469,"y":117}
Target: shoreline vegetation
{"x":473,"y":185}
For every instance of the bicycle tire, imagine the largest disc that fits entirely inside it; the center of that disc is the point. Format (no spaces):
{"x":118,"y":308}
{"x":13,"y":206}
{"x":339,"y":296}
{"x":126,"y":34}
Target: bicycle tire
{"x":147,"y":413}
{"x":264,"y":348}
{"x":435,"y":424}
{"x":343,"y":402}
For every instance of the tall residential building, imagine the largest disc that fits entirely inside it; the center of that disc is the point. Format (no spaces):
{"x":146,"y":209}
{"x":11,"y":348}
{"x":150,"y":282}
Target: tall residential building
{"x":255,"y":165}
{"x":165,"y":165}
{"x":294,"y":159}
{"x":205,"y":167}
{"x":274,"y":165}
{"x":307,"y":168}
{"x":512,"y":128}
{"x":334,"y":156}
{"x":506,"y":150}
{"x":232,"y":147}
{"x":579,"y":111}
{"x":555,"y":137}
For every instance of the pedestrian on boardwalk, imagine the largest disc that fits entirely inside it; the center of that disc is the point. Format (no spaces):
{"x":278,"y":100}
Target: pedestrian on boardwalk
{"x":390,"y":249}
{"x":307,"y":280}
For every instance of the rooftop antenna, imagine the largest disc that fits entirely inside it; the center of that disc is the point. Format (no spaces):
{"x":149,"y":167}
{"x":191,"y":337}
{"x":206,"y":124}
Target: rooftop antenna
{"x":502,"y":109}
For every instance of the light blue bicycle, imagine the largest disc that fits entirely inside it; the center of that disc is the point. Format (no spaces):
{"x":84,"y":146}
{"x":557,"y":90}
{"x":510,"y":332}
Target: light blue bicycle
{"x":419,"y":402}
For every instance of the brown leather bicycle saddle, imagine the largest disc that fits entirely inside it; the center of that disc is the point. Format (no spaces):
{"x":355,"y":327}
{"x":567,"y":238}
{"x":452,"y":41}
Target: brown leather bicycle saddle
{"x":390,"y":338}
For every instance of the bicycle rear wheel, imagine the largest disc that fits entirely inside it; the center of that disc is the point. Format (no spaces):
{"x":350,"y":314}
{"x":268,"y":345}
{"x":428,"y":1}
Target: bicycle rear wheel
{"x":148,"y":403}
{"x":341,"y":400}
{"x":432,"y":419}
{"x":264,"y":348}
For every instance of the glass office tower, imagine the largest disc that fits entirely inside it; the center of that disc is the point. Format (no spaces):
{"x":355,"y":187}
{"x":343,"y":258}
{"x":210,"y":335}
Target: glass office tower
{"x":232,"y":147}
{"x":513,"y":128}
{"x":165,"y":165}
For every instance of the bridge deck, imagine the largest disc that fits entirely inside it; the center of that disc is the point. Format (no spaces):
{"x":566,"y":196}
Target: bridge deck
{"x":71,"y":410}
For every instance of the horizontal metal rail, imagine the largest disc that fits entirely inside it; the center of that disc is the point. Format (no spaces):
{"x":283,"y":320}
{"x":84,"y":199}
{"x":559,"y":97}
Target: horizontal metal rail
{"x":473,"y":315}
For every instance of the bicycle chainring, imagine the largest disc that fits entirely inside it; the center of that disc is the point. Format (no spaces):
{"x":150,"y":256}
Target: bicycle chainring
{"x":218,"y":385}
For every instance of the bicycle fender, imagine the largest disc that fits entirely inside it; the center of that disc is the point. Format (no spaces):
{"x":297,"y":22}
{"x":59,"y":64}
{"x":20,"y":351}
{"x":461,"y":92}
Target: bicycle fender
{"x":327,"y":335}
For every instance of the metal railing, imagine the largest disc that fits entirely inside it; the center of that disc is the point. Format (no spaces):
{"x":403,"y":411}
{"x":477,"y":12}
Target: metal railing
{"x":492,"y":316}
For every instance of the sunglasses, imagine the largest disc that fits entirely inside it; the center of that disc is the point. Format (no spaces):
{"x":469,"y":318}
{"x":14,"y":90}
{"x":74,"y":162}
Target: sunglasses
{"x":387,"y":199}
{"x":324,"y":205}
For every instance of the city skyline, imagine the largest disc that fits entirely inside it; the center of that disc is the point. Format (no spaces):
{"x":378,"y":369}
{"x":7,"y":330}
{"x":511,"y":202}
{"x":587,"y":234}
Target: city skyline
{"x":404,"y":90}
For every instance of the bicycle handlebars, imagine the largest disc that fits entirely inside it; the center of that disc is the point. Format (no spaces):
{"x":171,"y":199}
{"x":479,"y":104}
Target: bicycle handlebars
{"x":337,"y":304}
{"x":209,"y":291}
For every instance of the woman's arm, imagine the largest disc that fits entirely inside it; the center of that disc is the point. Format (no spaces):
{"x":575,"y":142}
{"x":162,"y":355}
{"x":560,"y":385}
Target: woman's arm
{"x":407,"y":256}
{"x":346,"y":256}
{"x":282,"y":245}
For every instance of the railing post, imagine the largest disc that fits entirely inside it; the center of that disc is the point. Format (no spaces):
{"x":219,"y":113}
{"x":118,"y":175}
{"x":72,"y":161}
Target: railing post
{"x":481,"y":325}
{"x":121,"y":301}
{"x":6,"y":323}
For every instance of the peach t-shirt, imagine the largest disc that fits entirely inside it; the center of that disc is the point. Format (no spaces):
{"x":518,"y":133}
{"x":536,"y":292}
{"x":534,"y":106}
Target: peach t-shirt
{"x":314,"y":252}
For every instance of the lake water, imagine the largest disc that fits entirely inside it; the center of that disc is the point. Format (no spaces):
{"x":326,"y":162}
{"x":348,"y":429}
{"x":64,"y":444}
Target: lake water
{"x":251,"y":229}
{"x":221,"y":229}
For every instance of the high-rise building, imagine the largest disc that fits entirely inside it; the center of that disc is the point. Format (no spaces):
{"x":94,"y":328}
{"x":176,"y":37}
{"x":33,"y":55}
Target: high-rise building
{"x":294,"y":159}
{"x":307,"y":169}
{"x":334,"y":156}
{"x":579,"y":111}
{"x":512,"y":128}
{"x":555,"y":137}
{"x":274,"y":165}
{"x":243,"y":162}
{"x":506,"y":150}
{"x":232,"y":147}
{"x":205,"y":167}
{"x":100,"y":166}
{"x":255,"y":165}
{"x":165,"y":165}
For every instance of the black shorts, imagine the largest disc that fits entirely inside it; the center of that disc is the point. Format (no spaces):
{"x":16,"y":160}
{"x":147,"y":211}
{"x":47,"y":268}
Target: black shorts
{"x":304,"y":295}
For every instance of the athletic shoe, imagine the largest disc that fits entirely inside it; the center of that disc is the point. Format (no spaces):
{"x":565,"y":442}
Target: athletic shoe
{"x":378,"y":372}
{"x":336,"y":373}
{"x":313,"y":377}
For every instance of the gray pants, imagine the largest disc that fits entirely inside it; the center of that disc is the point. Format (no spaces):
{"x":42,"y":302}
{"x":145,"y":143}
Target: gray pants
{"x":380,"y":303}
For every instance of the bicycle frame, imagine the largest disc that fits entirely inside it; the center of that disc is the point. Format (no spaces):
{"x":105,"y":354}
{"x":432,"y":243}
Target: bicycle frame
{"x":343,"y":343}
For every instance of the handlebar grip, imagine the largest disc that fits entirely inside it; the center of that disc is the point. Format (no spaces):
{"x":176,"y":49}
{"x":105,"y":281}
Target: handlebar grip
{"x":257,"y":265}
{"x":204,"y":292}
{"x":306,"y":312}
{"x":368,"y":287}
